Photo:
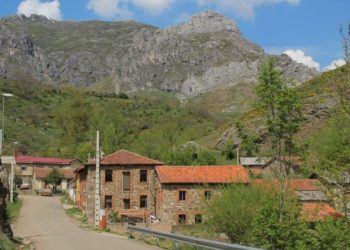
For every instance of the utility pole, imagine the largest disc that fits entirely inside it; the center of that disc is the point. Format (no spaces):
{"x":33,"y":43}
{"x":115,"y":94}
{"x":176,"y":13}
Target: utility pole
{"x":12,"y":174}
{"x":97,"y":181}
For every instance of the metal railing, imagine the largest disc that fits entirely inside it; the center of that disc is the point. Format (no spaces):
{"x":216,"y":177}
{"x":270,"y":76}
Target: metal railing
{"x":178,"y":238}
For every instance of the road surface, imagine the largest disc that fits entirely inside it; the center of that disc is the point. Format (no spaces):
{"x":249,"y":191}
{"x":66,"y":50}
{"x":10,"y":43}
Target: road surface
{"x":43,"y":221}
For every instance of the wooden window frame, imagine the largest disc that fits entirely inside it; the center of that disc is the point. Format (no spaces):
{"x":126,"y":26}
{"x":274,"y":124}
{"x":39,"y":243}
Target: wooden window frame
{"x":105,"y":203}
{"x":179,"y":195}
{"x":124,"y":203}
{"x":206,"y":197}
{"x":111,"y":176}
{"x":183,"y":221}
{"x":142,"y":174}
{"x":125,"y":172}
{"x":141,"y":196}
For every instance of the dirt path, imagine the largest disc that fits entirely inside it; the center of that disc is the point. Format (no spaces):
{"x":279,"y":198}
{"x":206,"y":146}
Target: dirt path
{"x":43,"y":221}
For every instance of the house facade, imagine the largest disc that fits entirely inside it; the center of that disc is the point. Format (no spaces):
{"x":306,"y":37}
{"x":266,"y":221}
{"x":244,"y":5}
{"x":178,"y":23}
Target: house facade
{"x":141,"y":188}
{"x":39,"y":174}
{"x":183,"y":192}
{"x":25,"y":166}
{"x":127,"y":185}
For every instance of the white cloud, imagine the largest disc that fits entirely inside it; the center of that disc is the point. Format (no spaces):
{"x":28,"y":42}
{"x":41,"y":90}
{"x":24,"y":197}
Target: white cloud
{"x":335,"y":64}
{"x":300,"y":57}
{"x":243,"y":8}
{"x":110,"y":8}
{"x":153,"y":7}
{"x":49,"y":9}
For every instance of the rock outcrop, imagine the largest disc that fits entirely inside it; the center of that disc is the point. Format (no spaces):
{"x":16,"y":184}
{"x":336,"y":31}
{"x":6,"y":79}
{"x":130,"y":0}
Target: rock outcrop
{"x":191,"y":58}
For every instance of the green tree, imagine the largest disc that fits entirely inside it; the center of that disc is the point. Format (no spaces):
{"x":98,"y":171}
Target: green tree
{"x":233,"y":211}
{"x":54,"y":178}
{"x":282,"y":109}
{"x":331,"y":234}
{"x":269,"y":232}
{"x":228,"y":150}
{"x":250,"y":142}
{"x":73,"y":117}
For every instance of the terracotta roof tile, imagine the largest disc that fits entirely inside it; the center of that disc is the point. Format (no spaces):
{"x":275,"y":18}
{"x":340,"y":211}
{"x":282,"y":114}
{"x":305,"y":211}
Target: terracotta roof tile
{"x":293,"y":184}
{"x":124,"y":157}
{"x":202,"y":174}
{"x":43,"y":172}
{"x":318,"y":211}
{"x":27,"y":159}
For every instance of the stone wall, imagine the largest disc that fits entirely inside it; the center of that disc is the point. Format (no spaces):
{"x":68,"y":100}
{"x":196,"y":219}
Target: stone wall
{"x":115,"y":189}
{"x":169,"y":206}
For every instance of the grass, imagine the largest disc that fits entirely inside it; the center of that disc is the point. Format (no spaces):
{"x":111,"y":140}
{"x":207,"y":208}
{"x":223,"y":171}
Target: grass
{"x":65,"y":199}
{"x":13,"y":210}
{"x":6,"y":243}
{"x":77,"y":213}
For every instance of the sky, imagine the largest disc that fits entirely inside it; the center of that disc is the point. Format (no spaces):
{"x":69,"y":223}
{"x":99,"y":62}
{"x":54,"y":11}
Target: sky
{"x":306,"y":30}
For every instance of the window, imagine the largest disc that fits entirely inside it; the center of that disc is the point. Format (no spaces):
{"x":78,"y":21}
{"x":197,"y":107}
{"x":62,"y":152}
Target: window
{"x":198,"y":219}
{"x":108,"y":201}
{"x":207,"y":195}
{"x":143,"y":175}
{"x":126,"y":181}
{"x":23,"y":167}
{"x":143,"y":201}
{"x":182,"y":218}
{"x":182,"y":195}
{"x":108,"y":175}
{"x":126,"y":203}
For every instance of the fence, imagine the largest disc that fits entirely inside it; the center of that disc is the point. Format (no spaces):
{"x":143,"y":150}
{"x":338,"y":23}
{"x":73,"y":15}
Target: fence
{"x":177,"y":238}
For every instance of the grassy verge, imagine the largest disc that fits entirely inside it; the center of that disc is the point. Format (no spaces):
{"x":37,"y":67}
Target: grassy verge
{"x":78,"y":214}
{"x":13,"y":209}
{"x":65,"y":199}
{"x":6,"y":243}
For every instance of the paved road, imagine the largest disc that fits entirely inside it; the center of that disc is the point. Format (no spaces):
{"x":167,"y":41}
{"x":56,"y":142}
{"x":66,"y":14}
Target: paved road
{"x":44,"y":222}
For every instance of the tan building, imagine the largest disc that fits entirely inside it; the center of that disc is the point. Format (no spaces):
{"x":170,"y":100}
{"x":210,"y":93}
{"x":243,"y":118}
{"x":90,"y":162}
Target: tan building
{"x":25,"y":166}
{"x":39,"y":175}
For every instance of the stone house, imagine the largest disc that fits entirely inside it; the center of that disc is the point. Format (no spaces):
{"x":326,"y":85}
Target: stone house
{"x":270,"y":167}
{"x":26,"y":164}
{"x":255,"y":165}
{"x":183,"y":192}
{"x":142,"y":188}
{"x":314,"y":202}
{"x":39,"y":175}
{"x":127,"y":185}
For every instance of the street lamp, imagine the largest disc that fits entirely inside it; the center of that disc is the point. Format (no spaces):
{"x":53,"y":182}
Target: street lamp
{"x":3,"y":117}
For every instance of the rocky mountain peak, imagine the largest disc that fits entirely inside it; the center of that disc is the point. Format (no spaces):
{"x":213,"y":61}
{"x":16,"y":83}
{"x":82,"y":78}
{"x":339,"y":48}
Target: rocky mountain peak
{"x":20,"y":18}
{"x":206,"y":22}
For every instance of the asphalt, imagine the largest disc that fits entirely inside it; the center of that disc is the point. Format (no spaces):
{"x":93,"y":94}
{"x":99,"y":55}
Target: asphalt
{"x":43,"y":221}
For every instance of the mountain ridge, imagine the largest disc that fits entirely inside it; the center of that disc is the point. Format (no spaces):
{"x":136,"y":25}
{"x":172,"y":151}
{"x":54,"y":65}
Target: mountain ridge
{"x":191,"y":58}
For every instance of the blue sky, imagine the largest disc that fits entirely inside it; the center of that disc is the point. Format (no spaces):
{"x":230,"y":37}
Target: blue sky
{"x":307,"y":30}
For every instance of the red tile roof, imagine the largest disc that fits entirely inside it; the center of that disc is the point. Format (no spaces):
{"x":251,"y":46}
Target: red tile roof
{"x":202,"y":174}
{"x":293,"y":184}
{"x":41,"y":173}
{"x":318,"y":211}
{"x":27,"y":159}
{"x":124,"y":157}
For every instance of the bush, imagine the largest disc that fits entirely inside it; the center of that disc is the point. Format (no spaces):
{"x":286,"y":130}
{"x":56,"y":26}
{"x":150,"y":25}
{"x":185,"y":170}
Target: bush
{"x":233,"y":211}
{"x":114,"y":217}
